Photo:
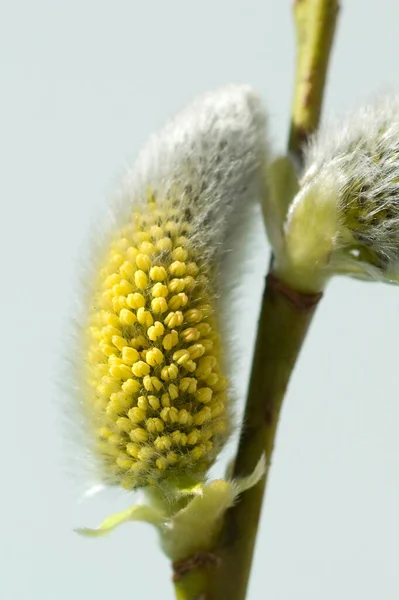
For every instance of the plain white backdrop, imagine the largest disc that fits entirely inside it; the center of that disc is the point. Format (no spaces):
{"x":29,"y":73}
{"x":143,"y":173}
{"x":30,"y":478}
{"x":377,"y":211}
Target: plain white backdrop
{"x":83,"y":84}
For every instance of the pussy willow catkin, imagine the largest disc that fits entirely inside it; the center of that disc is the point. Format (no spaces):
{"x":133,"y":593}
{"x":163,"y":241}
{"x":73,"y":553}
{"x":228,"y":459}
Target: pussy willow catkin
{"x":355,"y":162}
{"x":155,"y":391}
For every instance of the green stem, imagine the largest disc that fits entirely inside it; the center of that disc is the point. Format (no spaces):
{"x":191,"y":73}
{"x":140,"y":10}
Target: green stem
{"x":315,"y":22}
{"x":283,"y":324}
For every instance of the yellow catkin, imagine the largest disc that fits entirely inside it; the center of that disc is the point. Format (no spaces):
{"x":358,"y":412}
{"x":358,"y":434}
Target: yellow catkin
{"x":156,"y":393}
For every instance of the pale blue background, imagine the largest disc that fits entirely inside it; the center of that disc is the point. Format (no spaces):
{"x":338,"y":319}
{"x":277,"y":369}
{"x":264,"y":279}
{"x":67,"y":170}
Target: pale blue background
{"x":83,"y":83}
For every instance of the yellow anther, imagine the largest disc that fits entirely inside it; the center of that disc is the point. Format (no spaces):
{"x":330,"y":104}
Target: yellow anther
{"x":184,"y":417}
{"x":127,"y":270}
{"x":190,"y":365}
{"x":136,"y":414}
{"x":204,"y":395}
{"x":115,"y":439}
{"x":118,"y":303}
{"x":147,"y":248}
{"x":133,"y":449}
{"x":197,"y":452}
{"x":129,"y":355}
{"x":165,"y":400}
{"x":164,"y":244}
{"x":202,"y":416}
{"x":170,"y":340}
{"x":161,"y":463}
{"x":109,"y":332}
{"x":176,"y":285}
{"x":212,"y":379}
{"x":193,"y":437}
{"x":207,"y":310}
{"x":119,"y":402}
{"x":116,"y":258}
{"x":196,"y":350}
{"x":158,"y":273}
{"x":109,"y":318}
{"x":191,"y":334}
{"x":193,"y":315}
{"x":138,"y":435}
{"x":177,"y":268}
{"x":163,"y":443}
{"x":140,"y":279}
{"x":207,"y":432}
{"x":131,"y":386}
{"x":124,"y":462}
{"x":115,"y":360}
{"x":155,"y":331}
{"x":156,"y":232}
{"x":120,"y":371}
{"x":104,"y":432}
{"x":181,"y":356}
{"x":154,"y":402}
{"x":112,"y":280}
{"x":178,"y":300}
{"x":152,"y":383}
{"x":208,"y":345}
{"x":122,"y":243}
{"x":128,"y":481}
{"x":217,"y":408}
{"x":131,"y":254}
{"x":180,"y":254}
{"x":127,"y":317}
{"x":140,"y":369}
{"x":135,"y":300}
{"x":173,"y":391}
{"x":188,"y":385}
{"x":170,"y":414}
{"x":172,"y":228}
{"x":154,"y":357}
{"x":142,"y":402}
{"x":221,"y":385}
{"x":182,"y":241}
{"x":169,"y":372}
{"x":142,"y":236}
{"x":107,"y":299}
{"x":159,"y":290}
{"x":124,"y":424}
{"x":159,"y":305}
{"x":108,"y":385}
{"x":208,"y":447}
{"x":189,"y":283}
{"x":179,"y":438}
{"x":143,"y":261}
{"x":145,"y":453}
{"x":123,"y":288}
{"x":144,"y":317}
{"x":192,"y":269}
{"x":106,"y":349}
{"x":155,"y":425}
{"x":173,"y":319}
{"x":172,"y":458}
{"x":139,"y":341}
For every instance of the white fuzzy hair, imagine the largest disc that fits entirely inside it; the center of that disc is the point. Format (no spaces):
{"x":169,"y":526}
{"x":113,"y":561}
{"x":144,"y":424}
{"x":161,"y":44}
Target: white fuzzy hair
{"x":211,"y":159}
{"x":210,"y":156}
{"x":358,"y":157}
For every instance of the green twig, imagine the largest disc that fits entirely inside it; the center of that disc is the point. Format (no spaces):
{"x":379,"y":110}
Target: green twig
{"x":315,"y":22}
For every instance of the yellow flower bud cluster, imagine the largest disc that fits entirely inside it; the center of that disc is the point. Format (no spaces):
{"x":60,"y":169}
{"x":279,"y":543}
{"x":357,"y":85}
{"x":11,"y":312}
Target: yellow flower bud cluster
{"x":156,"y":393}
